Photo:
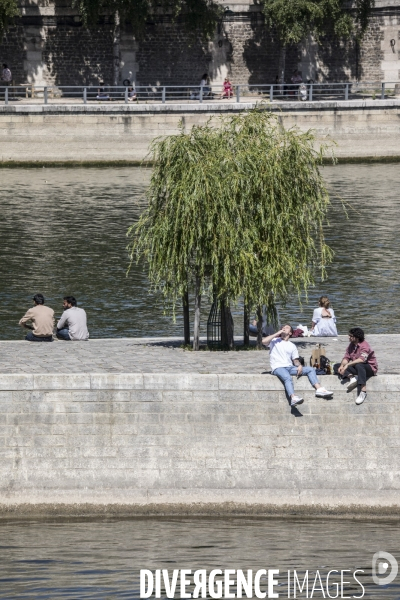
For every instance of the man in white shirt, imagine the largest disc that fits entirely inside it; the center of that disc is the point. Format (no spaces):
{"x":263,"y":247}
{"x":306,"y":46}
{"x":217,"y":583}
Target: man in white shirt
{"x":72,"y":325}
{"x":284,"y":359}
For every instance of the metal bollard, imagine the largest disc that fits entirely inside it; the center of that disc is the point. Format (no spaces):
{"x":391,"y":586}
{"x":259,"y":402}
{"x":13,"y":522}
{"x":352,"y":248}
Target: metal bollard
{"x":84,"y":95}
{"x":383,"y":92}
{"x":163,"y":95}
{"x":201,"y":94}
{"x":45,"y":95}
{"x":238,"y":93}
{"x":126,"y":95}
{"x":346,"y":92}
{"x":271,"y":93}
{"x":310,"y":92}
{"x":6,"y":96}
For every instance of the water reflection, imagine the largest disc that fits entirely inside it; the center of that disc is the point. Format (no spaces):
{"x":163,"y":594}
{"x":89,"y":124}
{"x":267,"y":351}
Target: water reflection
{"x":102,"y":559}
{"x":63,"y":231}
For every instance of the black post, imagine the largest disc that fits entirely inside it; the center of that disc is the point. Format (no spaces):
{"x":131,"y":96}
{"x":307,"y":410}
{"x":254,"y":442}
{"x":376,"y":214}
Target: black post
{"x":227,"y":335}
{"x":259,"y":328}
{"x":246,"y":318}
{"x":186,"y":320}
{"x":197,"y":307}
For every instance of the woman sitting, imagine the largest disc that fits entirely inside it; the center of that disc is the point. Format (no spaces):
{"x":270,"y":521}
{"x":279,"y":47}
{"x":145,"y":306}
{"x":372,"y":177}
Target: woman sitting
{"x":227,"y":89}
{"x":132,"y":94}
{"x":324,"y":320}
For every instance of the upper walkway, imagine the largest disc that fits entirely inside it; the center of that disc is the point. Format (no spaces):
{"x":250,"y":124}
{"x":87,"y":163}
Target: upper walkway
{"x":165,"y":355}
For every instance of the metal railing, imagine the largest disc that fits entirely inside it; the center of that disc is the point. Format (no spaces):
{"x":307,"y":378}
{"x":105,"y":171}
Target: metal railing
{"x":310,"y":91}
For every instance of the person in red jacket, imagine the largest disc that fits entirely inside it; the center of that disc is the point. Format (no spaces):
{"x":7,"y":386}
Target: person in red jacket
{"x":359,"y":364}
{"x":227,"y":89}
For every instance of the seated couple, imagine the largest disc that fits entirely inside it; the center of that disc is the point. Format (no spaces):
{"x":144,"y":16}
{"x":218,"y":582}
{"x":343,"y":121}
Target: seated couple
{"x":285,"y":363}
{"x":71,"y":327}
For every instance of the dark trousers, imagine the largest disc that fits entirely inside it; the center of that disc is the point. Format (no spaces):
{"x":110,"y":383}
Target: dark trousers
{"x":30,"y":337}
{"x":63,"y":334}
{"x":363,"y":371}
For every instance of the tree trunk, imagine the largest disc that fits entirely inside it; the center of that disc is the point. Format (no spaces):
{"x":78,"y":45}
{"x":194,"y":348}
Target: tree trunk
{"x":259,"y":328}
{"x":186,"y":321}
{"x":227,"y":337}
{"x":197,"y":305}
{"x":246,"y":318}
{"x":116,"y":48}
{"x":282,"y":63}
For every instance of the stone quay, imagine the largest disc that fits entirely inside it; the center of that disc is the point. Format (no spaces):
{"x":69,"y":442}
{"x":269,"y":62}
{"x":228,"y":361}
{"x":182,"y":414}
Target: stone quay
{"x":141,"y":427}
{"x":112,"y":134}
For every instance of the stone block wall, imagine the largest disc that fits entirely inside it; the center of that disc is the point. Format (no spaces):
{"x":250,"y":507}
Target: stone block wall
{"x":92,"y":133}
{"x":148,"y":440}
{"x":48,"y":45}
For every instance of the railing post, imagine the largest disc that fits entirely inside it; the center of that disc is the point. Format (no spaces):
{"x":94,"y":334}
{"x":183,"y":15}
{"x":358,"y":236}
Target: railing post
{"x":163,"y":95}
{"x":84,"y":95}
{"x":310,"y":92}
{"x":201,"y":94}
{"x":238,"y":93}
{"x":346,"y":92}
{"x":126,"y":95}
{"x":45,"y":95}
{"x":271,"y":92}
{"x":6,"y":96}
{"x":383,"y":92}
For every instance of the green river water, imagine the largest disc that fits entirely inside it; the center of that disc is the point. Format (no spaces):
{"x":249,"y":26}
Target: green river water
{"x":63,"y":232}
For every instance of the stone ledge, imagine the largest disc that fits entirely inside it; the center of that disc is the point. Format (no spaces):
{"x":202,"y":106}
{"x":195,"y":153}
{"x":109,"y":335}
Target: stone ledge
{"x":175,"y":382}
{"x":205,"y":107}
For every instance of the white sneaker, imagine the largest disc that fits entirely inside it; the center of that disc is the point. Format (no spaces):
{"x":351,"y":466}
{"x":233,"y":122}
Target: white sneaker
{"x":361,"y":397}
{"x":323,"y":393}
{"x":352,"y":384}
{"x":296,"y":400}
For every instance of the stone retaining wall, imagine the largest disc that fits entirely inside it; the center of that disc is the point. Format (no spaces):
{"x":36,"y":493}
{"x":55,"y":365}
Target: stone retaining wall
{"x":49,"y":45}
{"x":179,"y":440}
{"x":43,"y":134}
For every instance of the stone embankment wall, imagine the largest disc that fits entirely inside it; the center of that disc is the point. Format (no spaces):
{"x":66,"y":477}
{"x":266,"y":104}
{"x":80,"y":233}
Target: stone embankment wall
{"x":105,"y":133}
{"x":146,"y":443}
{"x":49,"y":45}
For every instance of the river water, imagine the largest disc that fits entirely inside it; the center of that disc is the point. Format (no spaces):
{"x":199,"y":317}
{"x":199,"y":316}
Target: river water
{"x":96,"y":559}
{"x":63,"y":232}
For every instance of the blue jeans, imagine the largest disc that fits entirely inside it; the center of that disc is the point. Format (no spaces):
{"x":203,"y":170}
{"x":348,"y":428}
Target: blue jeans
{"x":285,"y":375}
{"x":30,"y":337}
{"x":63,"y":334}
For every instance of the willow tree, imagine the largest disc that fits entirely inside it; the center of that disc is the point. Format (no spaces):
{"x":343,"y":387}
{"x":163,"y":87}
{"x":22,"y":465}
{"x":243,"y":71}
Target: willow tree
{"x":295,"y":21}
{"x":236,"y":208}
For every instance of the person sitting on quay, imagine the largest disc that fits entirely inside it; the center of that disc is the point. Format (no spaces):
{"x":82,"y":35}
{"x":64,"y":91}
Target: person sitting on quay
{"x":324,"y":320}
{"x":132,"y":94}
{"x":227,"y":89}
{"x":204,"y":85}
{"x":359,"y":364}
{"x":284,"y":359}
{"x":73,"y":324}
{"x":6,"y":75}
{"x":42,"y":319}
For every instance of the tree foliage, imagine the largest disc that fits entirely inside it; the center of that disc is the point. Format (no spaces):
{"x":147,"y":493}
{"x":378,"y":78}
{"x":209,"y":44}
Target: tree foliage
{"x":238,"y":207}
{"x":8,"y":10}
{"x":199,"y":15}
{"x":296,"y":19}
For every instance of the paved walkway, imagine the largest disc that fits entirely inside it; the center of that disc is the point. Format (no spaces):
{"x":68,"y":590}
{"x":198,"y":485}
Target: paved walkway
{"x":155,"y":355}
